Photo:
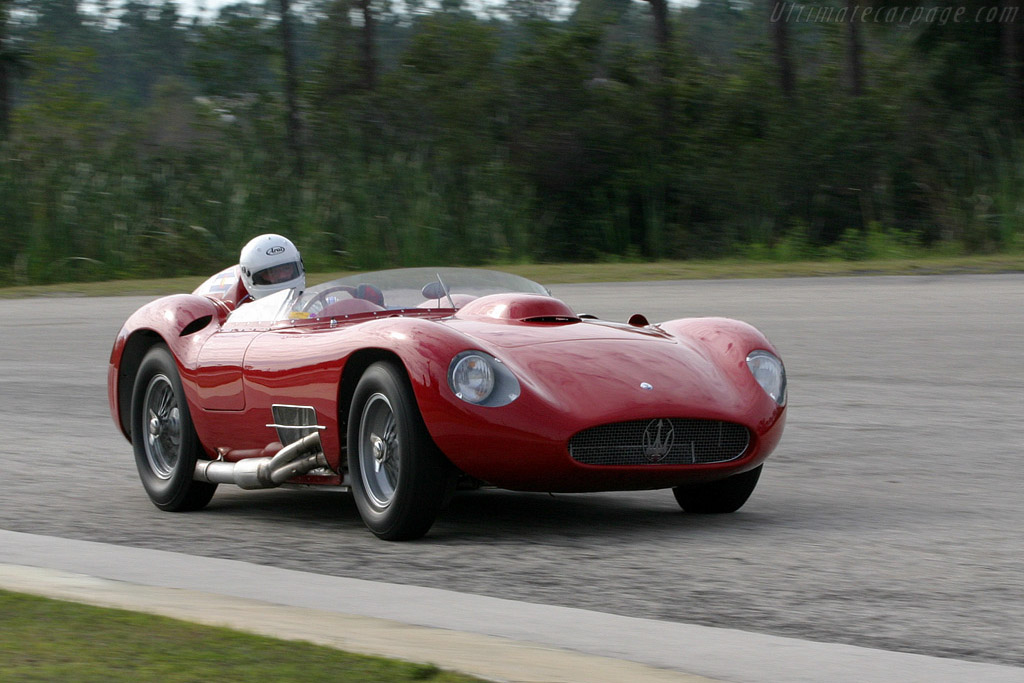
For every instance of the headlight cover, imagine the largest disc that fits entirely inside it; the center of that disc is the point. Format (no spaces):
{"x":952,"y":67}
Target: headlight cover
{"x":481,"y":379}
{"x":769,"y":372}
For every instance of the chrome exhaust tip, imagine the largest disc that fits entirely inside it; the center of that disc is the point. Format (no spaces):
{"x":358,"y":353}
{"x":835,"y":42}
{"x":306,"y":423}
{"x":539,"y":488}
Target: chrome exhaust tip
{"x":294,"y":460}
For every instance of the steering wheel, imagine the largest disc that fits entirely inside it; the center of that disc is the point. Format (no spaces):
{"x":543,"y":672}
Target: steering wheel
{"x":321,"y":298}
{"x":363,"y":291}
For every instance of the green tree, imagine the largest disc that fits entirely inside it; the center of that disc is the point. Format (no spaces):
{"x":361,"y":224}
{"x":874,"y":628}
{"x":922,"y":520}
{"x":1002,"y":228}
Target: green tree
{"x":583,"y":139}
{"x":60,"y":107}
{"x":779,"y":27}
{"x":148,"y":45}
{"x":450,"y":85}
{"x":293,"y":124}
{"x":368,"y":45}
{"x":5,"y":71}
{"x":233,"y":55}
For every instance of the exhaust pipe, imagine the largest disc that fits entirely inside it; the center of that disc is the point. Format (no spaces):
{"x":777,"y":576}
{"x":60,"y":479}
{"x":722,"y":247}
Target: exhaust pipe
{"x":293,"y":460}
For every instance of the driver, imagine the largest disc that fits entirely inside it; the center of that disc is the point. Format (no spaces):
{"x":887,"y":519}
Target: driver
{"x":270,"y":263}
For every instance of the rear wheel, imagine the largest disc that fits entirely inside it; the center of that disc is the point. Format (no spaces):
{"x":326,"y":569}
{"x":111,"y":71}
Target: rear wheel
{"x":165,"y":443}
{"x":398,"y":475}
{"x":725,"y":495}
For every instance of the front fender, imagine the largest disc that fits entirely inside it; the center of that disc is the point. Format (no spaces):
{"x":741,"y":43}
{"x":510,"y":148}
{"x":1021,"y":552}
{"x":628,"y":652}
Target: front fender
{"x":180,"y":321}
{"x":568,"y":386}
{"x":729,"y":339}
{"x":728,"y":342}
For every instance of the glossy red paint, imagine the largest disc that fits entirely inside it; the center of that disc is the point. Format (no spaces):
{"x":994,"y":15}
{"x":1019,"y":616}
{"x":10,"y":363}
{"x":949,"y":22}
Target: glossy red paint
{"x":176,"y":321}
{"x":515,"y":307}
{"x":579,"y":375}
{"x":573,"y":375}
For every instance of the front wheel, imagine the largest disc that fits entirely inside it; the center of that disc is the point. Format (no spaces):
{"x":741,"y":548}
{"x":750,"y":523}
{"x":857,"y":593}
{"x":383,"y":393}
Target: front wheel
{"x":165,"y":443}
{"x":398,"y":475}
{"x":726,"y":495}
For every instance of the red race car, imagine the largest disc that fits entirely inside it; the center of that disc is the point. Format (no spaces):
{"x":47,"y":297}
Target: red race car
{"x":406,"y":385}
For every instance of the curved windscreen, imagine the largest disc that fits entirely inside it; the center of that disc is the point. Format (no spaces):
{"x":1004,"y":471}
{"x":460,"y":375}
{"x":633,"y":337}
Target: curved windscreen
{"x":382,"y":290}
{"x":416,"y":288}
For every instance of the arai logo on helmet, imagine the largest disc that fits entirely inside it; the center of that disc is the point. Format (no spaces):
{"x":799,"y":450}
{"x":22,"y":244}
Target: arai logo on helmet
{"x":274,"y":251}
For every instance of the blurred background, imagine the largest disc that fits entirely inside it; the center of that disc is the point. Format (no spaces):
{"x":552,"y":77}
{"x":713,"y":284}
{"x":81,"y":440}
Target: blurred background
{"x":146,"y":139}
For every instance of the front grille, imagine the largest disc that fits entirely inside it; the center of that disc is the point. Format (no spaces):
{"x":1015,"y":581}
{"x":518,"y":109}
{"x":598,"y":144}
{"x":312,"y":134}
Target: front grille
{"x":667,"y":441}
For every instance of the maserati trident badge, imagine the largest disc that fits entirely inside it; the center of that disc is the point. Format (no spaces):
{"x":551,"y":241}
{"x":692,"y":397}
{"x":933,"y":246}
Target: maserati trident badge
{"x":658,"y":438}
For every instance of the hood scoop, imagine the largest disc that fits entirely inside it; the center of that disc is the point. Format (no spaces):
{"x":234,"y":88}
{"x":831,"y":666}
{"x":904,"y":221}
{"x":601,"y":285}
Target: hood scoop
{"x":552,"y":319}
{"x":639,"y":320}
{"x":524,"y":308}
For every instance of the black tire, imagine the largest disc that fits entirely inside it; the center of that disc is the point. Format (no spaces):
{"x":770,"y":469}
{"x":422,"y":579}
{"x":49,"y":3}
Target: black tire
{"x":398,"y":475}
{"x":725,"y":495}
{"x":165,"y":442}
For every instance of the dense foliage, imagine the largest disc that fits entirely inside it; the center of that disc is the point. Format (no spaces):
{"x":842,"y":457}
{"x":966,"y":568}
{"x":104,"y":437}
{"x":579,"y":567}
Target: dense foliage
{"x":140,"y":142}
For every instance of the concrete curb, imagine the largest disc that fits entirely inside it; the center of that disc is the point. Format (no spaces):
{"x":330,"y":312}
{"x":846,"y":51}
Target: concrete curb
{"x":488,"y":637}
{"x":488,"y":657}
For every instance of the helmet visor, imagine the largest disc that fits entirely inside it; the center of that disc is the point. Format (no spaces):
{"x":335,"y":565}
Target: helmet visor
{"x":276,"y":274}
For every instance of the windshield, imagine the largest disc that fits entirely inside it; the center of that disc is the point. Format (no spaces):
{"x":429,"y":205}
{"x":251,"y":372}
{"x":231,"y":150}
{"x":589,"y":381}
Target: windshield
{"x":385,"y":290}
{"x":268,"y":309}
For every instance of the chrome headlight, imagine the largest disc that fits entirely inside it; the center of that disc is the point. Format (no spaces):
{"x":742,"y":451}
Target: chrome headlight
{"x":769,"y":373}
{"x":482,"y":379}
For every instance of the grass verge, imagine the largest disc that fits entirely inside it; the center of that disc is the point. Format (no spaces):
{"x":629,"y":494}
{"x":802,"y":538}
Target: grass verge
{"x":50,"y":640}
{"x":562,"y":273}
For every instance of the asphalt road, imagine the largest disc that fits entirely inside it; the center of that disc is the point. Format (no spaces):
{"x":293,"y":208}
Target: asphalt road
{"x":891,"y":515}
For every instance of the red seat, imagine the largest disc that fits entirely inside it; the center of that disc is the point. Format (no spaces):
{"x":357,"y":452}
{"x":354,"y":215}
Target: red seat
{"x":348,"y":307}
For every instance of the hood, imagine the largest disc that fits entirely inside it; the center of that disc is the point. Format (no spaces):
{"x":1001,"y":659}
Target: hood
{"x":620,"y":379}
{"x":606,"y":372}
{"x":511,"y":334}
{"x":593,"y":371}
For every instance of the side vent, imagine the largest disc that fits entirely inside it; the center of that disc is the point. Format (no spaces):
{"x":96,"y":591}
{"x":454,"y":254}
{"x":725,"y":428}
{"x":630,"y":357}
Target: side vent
{"x":196,"y":325}
{"x":294,"y":422}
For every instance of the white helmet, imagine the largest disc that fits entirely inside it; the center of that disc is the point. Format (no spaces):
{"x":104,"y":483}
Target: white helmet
{"x":270,"y":263}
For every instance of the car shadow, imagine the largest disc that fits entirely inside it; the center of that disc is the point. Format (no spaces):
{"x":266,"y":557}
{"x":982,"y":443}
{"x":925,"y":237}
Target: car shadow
{"x":326,"y":508}
{"x":489,"y":515}
{"x":485,"y":516}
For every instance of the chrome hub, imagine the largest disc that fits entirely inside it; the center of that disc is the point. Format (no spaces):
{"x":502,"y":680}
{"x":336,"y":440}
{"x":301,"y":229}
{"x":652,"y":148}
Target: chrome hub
{"x":380,"y":451}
